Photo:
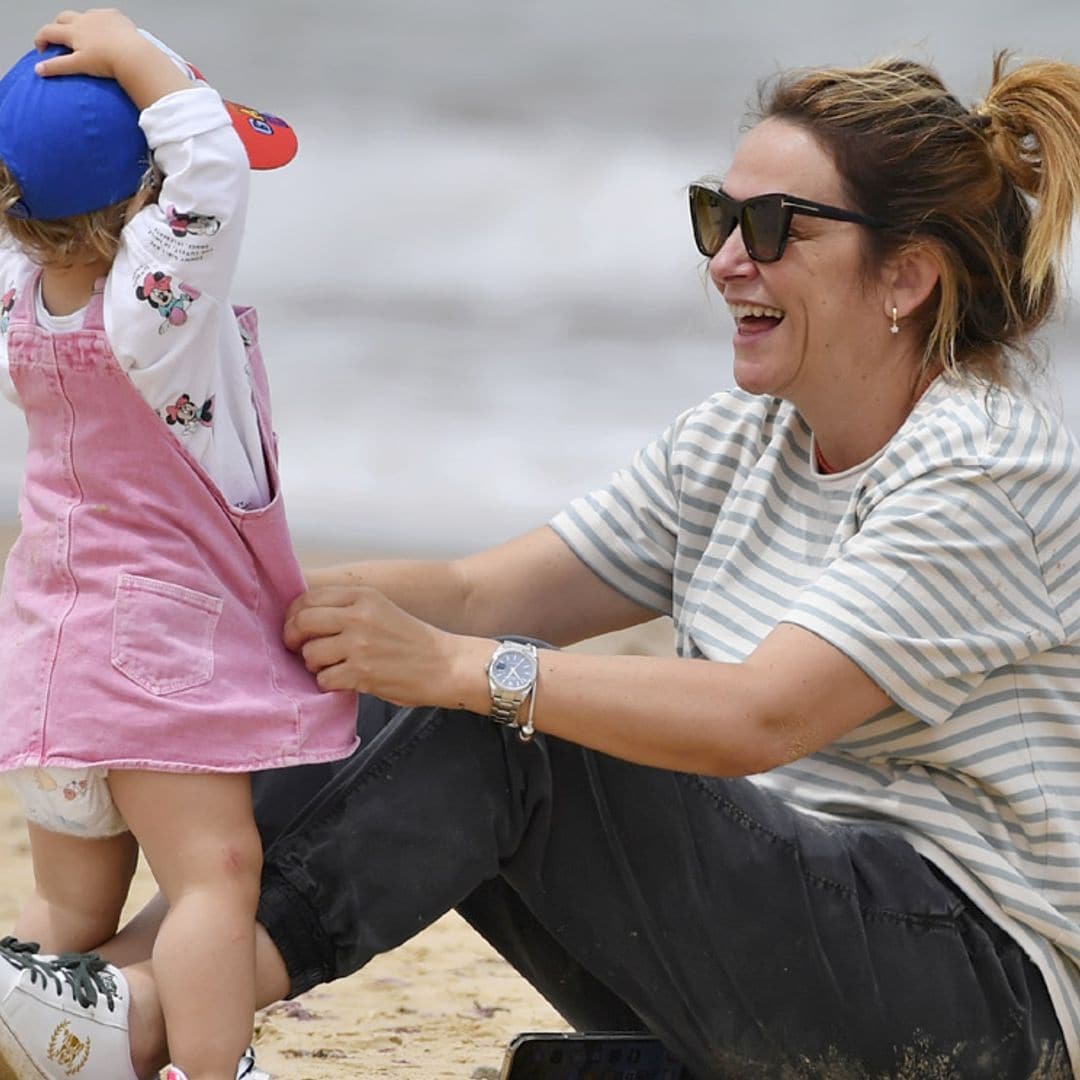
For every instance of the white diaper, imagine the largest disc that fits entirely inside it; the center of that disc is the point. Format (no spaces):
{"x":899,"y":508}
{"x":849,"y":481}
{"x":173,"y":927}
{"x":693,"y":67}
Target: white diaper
{"x":76,"y":802}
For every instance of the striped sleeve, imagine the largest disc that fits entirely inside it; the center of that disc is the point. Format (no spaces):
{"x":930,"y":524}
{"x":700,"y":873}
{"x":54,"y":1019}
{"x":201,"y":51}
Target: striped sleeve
{"x":626,"y":533}
{"x":941,"y":586}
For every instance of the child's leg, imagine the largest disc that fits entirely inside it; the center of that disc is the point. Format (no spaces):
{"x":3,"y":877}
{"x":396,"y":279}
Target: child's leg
{"x":198,"y":834}
{"x":80,"y":886}
{"x":134,"y":942}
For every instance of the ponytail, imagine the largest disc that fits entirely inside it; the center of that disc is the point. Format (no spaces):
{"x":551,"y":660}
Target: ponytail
{"x":1033,"y":126}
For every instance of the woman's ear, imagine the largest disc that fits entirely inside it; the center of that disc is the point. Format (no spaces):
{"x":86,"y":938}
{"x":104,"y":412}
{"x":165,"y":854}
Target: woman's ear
{"x":909,"y":278}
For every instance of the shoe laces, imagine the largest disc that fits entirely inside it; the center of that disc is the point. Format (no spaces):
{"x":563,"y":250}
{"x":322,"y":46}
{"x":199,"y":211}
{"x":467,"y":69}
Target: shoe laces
{"x":83,"y":973}
{"x":14,"y":945}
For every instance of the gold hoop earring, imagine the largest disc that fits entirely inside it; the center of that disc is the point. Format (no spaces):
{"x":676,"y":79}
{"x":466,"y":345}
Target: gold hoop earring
{"x":895,"y":328}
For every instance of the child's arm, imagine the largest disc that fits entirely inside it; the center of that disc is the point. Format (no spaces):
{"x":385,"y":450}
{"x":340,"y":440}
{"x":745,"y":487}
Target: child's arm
{"x":16,"y":270}
{"x":106,"y":43}
{"x":167,"y":310}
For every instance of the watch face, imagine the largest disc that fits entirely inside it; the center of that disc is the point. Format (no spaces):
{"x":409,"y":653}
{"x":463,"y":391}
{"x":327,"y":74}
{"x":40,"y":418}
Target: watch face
{"x":513,"y":670}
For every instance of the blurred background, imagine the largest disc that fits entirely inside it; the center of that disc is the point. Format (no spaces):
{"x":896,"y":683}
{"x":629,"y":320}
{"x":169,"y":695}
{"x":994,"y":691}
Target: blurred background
{"x":478,"y":288}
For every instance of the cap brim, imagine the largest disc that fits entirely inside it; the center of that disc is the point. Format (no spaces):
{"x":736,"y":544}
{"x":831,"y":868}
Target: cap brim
{"x":269,"y":141}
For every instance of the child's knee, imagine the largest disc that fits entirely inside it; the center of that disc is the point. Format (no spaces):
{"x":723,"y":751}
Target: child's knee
{"x":242,"y":861}
{"x":229,"y":862}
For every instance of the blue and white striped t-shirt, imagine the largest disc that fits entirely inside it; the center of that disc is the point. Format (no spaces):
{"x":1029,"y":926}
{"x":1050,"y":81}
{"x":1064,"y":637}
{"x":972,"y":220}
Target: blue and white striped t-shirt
{"x":948,"y":568}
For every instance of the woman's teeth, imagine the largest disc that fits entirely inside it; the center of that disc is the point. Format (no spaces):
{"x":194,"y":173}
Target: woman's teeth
{"x":756,"y":311}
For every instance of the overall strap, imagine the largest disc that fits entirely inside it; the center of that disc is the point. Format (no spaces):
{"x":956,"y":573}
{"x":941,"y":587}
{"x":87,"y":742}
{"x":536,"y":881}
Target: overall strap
{"x":25,"y":309}
{"x":247,"y":319}
{"x":95,"y":309}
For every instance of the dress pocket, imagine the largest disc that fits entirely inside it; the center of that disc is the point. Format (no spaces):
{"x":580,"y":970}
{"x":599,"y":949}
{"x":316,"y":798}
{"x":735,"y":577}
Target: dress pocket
{"x":163,"y":634}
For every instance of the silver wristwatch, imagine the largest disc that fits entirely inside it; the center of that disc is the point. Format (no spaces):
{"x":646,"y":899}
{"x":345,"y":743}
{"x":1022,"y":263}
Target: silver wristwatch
{"x":511,"y":673}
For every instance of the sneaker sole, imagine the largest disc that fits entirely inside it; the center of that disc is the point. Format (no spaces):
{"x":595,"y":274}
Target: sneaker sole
{"x":15,"y":1064}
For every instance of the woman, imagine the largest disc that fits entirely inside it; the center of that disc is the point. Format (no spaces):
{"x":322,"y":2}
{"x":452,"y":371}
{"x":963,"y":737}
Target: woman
{"x":871,"y":543}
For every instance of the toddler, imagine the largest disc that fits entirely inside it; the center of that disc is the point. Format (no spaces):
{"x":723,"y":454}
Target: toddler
{"x":141,"y":609}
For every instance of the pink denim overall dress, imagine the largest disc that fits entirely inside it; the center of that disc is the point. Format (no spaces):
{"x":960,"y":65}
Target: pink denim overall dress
{"x":141,"y":614}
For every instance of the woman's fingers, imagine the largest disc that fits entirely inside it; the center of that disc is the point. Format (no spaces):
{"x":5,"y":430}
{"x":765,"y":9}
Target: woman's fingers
{"x":327,"y":611}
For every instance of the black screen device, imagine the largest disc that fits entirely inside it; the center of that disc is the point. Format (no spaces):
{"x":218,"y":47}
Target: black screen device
{"x":589,"y":1056}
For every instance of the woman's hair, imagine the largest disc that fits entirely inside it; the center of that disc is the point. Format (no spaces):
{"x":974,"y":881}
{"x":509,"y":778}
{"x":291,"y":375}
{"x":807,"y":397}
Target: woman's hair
{"x":82,"y":238}
{"x":992,"y":191}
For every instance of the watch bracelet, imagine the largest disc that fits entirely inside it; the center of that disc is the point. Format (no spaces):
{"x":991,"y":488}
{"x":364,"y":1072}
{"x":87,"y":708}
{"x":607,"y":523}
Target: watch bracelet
{"x":505,"y":713}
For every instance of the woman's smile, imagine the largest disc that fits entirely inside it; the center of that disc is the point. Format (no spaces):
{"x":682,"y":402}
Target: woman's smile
{"x":753,"y":320}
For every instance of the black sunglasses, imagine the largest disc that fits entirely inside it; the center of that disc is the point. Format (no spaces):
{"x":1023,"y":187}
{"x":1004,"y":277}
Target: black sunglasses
{"x":765,"y":220}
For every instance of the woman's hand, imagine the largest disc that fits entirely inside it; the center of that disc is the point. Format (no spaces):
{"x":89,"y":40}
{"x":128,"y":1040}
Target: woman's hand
{"x":354,"y":638}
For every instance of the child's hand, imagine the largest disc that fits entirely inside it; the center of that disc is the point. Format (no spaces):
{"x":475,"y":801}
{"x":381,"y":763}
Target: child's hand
{"x":101,"y":41}
{"x":104,"y":42}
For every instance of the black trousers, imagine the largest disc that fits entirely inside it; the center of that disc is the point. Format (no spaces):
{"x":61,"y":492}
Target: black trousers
{"x":753,"y":940}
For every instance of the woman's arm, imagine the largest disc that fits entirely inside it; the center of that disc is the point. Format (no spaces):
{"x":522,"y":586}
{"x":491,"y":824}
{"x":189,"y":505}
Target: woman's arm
{"x":420,"y":634}
{"x":793,"y":695}
{"x":533,"y":585}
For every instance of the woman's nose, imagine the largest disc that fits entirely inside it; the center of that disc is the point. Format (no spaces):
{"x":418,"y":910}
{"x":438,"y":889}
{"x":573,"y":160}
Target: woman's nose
{"x":732,"y":260}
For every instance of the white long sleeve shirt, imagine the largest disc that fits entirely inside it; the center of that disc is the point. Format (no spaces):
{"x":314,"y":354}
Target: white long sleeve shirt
{"x":168,"y":316}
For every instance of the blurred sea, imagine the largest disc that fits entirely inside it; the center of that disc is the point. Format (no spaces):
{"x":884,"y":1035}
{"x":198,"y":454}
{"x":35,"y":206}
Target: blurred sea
{"x":478,"y":289}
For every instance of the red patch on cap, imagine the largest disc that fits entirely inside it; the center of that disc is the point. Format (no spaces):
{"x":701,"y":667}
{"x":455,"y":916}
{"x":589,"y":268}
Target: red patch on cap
{"x":269,"y":141}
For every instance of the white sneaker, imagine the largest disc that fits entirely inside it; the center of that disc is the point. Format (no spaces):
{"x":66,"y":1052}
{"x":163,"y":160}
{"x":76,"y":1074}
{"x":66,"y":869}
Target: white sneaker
{"x":246,"y":1070}
{"x":61,"y":1016}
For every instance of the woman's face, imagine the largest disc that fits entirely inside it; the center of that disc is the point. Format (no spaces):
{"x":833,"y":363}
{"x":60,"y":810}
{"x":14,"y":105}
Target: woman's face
{"x":825,"y":315}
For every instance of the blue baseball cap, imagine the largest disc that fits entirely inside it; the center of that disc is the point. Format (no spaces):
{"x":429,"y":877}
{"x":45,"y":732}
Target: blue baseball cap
{"x":74,"y":145}
{"x":72,"y":142}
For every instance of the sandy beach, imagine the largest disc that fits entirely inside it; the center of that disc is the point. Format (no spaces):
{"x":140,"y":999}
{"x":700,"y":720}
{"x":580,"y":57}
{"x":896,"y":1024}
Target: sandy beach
{"x":443,"y":1005}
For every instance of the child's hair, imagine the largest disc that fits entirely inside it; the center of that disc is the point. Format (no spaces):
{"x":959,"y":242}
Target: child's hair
{"x":80,"y":238}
